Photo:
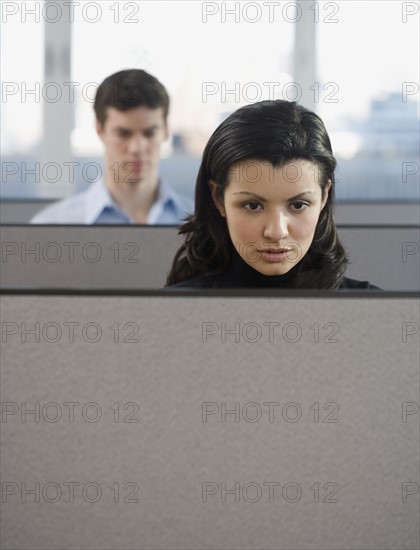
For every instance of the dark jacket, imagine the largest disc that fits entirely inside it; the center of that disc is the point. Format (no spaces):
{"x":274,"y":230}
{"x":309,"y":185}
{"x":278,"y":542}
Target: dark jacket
{"x":241,"y":275}
{"x":219,"y":281}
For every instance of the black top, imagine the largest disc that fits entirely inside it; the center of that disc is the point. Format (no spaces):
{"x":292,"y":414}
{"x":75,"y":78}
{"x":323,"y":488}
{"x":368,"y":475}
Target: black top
{"x":241,"y":275}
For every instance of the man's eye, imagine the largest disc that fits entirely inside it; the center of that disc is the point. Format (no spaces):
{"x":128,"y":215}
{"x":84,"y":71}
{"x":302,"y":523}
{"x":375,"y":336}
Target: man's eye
{"x":150,"y":134}
{"x":253,"y":206}
{"x":123,"y":135}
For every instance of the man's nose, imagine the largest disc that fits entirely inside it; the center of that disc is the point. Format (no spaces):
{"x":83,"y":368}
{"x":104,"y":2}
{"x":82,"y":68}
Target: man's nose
{"x":137,"y":144}
{"x":276,"y":227}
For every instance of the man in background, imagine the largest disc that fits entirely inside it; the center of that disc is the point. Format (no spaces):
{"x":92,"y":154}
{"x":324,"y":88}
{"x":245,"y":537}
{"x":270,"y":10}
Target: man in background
{"x":131,"y":110}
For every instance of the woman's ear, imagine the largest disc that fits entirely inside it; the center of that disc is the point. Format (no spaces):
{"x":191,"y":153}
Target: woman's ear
{"x":326,"y":192}
{"x":216,"y":202}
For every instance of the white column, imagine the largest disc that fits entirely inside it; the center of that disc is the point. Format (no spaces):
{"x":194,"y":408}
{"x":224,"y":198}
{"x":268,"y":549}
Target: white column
{"x":57,"y":116}
{"x":305,"y":54}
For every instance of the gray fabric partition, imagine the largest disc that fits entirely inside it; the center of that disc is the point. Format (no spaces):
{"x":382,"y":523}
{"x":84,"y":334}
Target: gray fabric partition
{"x":141,"y":256}
{"x":20,"y":211}
{"x":321,"y":452}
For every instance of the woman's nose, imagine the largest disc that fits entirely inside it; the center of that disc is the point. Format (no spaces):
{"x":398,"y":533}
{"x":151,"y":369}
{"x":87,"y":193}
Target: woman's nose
{"x":276,"y":226}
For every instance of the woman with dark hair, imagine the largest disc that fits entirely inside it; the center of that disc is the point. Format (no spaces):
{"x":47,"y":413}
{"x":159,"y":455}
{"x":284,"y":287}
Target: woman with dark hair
{"x":264,"y":206}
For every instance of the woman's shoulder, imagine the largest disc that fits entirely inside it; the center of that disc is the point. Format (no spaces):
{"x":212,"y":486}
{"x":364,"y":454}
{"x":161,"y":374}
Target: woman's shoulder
{"x":215,"y":282}
{"x":353,"y":283}
{"x":195,"y":282}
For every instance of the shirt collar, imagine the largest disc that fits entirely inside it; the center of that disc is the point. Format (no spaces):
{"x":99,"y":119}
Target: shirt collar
{"x":166,"y":194}
{"x":98,"y":198}
{"x":165,"y":199}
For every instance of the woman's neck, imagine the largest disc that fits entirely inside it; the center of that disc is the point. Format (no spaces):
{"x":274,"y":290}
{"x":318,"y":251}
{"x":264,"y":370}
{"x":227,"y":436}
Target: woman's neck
{"x":242,"y":274}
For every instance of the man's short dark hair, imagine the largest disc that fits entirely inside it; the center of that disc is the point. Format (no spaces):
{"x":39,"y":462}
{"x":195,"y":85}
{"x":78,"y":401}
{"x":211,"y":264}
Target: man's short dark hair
{"x":130,"y":89}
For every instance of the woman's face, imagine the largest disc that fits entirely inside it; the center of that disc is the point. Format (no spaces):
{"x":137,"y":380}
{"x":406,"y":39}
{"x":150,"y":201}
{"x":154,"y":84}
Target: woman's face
{"x":272,"y":213}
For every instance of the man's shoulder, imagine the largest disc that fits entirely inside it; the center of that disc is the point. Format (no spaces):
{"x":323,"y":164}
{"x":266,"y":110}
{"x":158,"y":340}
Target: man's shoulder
{"x":181,"y":200}
{"x":187,"y":203}
{"x":65,"y":211}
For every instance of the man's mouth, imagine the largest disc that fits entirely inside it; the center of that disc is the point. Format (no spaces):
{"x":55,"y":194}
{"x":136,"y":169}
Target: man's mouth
{"x":134,"y":166}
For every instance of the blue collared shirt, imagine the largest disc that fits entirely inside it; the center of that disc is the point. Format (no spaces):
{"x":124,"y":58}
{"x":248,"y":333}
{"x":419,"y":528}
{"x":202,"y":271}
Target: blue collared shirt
{"x":95,"y":205}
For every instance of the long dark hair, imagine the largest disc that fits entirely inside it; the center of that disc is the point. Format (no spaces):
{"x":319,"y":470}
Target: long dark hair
{"x":270,"y":131}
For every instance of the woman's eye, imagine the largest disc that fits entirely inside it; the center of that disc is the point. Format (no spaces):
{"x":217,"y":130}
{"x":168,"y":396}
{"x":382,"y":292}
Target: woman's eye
{"x":251,"y":206}
{"x":299,"y":205}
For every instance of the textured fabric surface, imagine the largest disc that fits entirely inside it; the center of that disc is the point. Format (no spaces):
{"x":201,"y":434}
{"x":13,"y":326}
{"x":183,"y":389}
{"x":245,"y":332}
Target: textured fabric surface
{"x":356,"y":358}
{"x":141,"y":256}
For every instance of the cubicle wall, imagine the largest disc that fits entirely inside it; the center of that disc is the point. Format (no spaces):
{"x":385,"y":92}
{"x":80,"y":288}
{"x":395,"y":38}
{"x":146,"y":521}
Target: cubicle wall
{"x":140,"y":421}
{"x":140,"y":256}
{"x":20,"y":211}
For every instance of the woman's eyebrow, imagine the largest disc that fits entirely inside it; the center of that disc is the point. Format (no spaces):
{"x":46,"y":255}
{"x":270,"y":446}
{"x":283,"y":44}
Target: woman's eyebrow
{"x":249,"y":193}
{"x":308,"y":192}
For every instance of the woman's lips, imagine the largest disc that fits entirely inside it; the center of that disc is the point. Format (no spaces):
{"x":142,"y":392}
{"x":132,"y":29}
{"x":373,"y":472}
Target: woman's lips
{"x":274,"y":254}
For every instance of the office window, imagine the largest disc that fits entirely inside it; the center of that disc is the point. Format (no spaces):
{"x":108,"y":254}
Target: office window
{"x":22,"y":96}
{"x":214,"y":57}
{"x":211,"y":57}
{"x":368,"y":67}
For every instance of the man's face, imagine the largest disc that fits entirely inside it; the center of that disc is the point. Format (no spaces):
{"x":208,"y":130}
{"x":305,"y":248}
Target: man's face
{"x":272,"y":213}
{"x":132,"y":141}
